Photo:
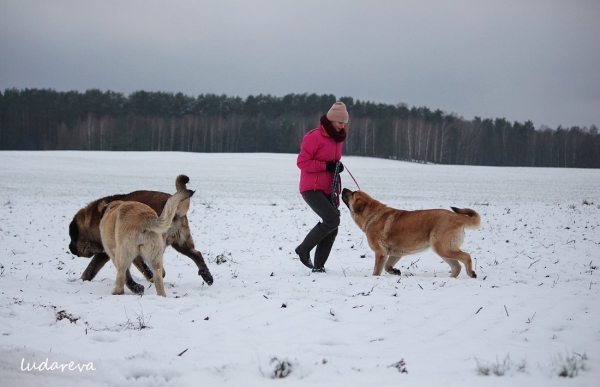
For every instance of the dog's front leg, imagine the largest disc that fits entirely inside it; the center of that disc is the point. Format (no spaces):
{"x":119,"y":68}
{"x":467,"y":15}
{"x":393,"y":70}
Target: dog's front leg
{"x":380,"y":258}
{"x":96,"y":263}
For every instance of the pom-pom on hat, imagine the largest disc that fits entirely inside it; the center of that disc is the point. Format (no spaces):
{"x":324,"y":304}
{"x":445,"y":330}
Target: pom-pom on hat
{"x":338,"y":113}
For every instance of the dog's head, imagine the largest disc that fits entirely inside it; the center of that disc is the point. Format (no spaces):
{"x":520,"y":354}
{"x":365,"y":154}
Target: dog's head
{"x":361,"y":205}
{"x":348,"y":199}
{"x":356,"y":201}
{"x":85,"y":232}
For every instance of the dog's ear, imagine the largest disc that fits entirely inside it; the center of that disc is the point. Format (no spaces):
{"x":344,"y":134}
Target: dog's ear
{"x":102,"y":206}
{"x":358,"y":206}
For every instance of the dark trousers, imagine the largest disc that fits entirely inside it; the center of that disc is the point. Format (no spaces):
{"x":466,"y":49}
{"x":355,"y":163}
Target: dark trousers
{"x":321,"y":204}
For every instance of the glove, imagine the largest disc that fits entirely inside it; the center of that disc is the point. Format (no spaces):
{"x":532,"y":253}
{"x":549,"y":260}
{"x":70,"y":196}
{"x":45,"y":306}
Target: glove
{"x":330,"y":166}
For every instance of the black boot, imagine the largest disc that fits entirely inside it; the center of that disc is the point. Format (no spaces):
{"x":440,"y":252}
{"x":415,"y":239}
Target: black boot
{"x":323,"y":250}
{"x":310,"y":241}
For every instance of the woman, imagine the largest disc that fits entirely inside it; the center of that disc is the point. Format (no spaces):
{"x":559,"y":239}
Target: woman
{"x":320,"y":184}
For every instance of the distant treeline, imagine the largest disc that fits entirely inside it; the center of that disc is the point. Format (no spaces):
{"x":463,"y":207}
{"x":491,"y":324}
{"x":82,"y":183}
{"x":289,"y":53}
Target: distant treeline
{"x":43,"y":119}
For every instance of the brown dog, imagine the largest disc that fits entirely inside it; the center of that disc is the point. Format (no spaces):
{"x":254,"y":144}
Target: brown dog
{"x":394,"y":233}
{"x":84,"y":231}
{"x":132,"y":229}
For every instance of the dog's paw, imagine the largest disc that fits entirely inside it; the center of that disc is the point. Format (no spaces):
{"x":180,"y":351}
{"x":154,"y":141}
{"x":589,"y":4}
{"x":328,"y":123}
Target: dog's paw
{"x":117,"y":292}
{"x":137,"y":288}
{"x":394,"y":271}
{"x":85,"y":277}
{"x":206,"y":276}
{"x":473,"y":274}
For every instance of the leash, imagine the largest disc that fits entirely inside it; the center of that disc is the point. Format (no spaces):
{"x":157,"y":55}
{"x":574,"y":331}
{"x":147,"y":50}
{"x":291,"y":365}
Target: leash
{"x":334,"y":185}
{"x":336,"y":181}
{"x":347,"y":170}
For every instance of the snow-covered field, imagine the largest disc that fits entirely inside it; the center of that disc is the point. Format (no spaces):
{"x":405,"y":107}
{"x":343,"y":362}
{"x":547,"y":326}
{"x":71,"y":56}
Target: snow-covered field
{"x":532,"y":314}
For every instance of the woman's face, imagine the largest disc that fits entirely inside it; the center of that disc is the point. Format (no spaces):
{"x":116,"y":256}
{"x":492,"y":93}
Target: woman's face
{"x":337,"y":125}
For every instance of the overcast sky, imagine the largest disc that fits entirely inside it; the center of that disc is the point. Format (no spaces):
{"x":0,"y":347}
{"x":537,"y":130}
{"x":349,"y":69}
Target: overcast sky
{"x":520,"y":60}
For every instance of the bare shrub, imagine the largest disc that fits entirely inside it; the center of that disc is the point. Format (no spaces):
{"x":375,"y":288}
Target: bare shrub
{"x":139,"y":324}
{"x":499,"y":368}
{"x":570,"y":365}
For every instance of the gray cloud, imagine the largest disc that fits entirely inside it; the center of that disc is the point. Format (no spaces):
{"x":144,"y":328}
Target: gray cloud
{"x":517,"y":60}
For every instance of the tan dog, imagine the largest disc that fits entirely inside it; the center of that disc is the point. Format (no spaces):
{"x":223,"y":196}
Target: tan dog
{"x":132,"y":229}
{"x":394,"y":233}
{"x":84,"y":231}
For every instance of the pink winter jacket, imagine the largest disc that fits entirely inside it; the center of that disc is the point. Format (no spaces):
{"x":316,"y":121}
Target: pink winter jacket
{"x":316,"y":149}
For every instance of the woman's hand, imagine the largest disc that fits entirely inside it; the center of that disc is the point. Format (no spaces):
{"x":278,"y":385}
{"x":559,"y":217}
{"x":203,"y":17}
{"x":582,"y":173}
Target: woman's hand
{"x":330,"y":166}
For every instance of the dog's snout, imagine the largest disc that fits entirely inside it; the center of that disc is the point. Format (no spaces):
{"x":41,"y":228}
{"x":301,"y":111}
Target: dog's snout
{"x":73,"y":248}
{"x":345,"y":196}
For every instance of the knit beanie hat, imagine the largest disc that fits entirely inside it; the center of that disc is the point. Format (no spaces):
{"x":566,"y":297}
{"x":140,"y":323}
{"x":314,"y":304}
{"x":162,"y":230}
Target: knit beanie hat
{"x":338,"y":113}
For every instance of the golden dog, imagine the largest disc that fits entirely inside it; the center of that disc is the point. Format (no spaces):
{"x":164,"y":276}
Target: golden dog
{"x":132,"y":229}
{"x":394,"y":233}
{"x":84,"y":231}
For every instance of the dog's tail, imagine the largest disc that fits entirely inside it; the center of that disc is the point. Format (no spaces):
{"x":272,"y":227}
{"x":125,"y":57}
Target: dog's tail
{"x":161,"y":224}
{"x":473,"y":219}
{"x":180,"y":182}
